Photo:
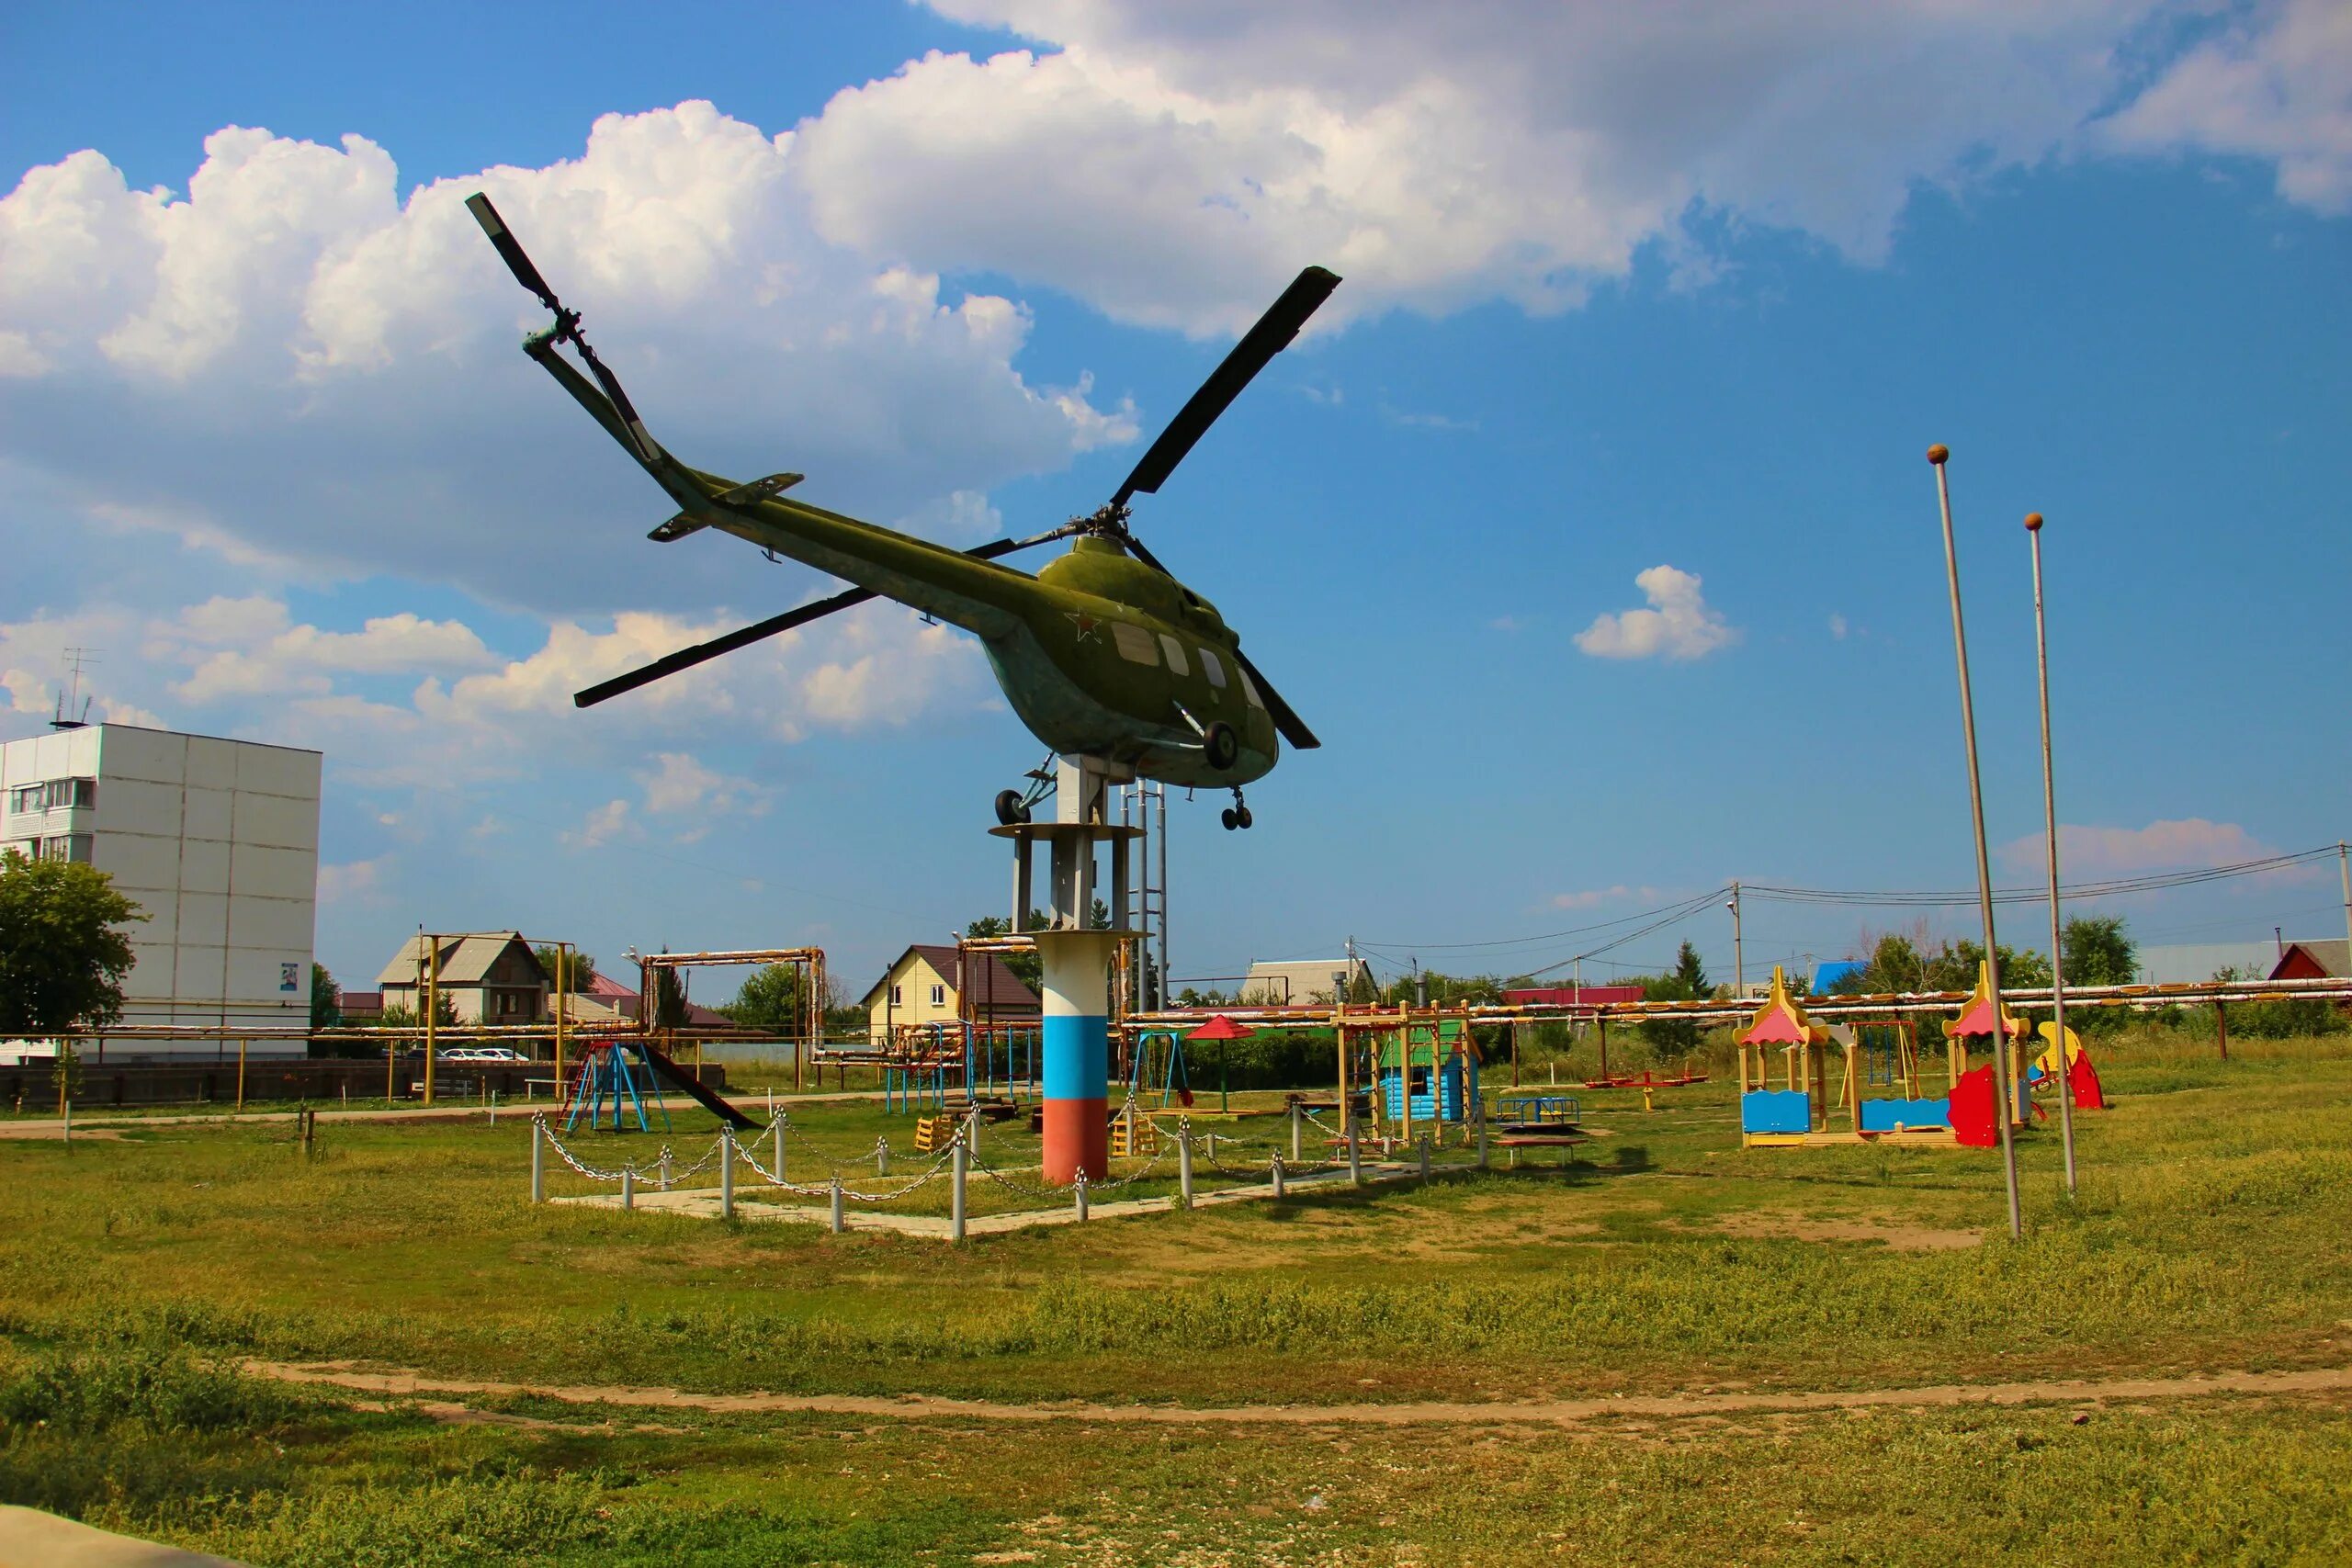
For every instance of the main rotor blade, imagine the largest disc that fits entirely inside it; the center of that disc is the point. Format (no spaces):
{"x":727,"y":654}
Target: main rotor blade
{"x":510,"y":250}
{"x":1294,"y":728}
{"x":1258,"y":346}
{"x":743,"y":636}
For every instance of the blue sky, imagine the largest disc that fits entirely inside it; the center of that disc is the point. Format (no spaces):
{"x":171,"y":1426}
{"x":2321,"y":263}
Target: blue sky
{"x":1630,"y":296}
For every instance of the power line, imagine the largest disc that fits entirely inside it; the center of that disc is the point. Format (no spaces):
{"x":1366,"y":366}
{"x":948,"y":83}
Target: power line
{"x":2102,"y":889}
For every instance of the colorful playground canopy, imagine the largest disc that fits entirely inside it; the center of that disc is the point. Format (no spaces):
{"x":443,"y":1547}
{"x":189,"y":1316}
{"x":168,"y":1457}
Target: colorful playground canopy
{"x":1221,"y":1027}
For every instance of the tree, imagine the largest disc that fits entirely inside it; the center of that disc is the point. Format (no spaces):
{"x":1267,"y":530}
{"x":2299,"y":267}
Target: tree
{"x":774,"y":1001}
{"x":565,"y":972}
{"x":326,"y":1000}
{"x":2098,"y":952}
{"x":1690,"y":974}
{"x":669,"y":998}
{"x":399,"y":1015}
{"x":61,"y":956}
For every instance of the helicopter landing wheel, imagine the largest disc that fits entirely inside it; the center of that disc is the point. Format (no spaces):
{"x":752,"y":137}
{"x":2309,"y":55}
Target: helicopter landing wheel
{"x":1241,"y":818}
{"x":1237,"y":815}
{"x":1222,"y":746}
{"x":1230,"y":818}
{"x":1010,"y":810}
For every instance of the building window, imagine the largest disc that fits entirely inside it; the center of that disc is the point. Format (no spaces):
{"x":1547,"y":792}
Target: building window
{"x":56,"y":795}
{"x":66,"y":846}
{"x":939,"y":996}
{"x":898,"y":996}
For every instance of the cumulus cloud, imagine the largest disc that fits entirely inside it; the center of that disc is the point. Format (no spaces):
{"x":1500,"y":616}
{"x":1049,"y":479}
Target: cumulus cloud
{"x":250,"y":646}
{"x":1678,"y":624}
{"x":2086,"y":852}
{"x":681,"y":786}
{"x":1175,"y":164}
{"x":2277,"y":86}
{"x":356,"y":881}
{"x":293,"y":361}
{"x":602,"y":825}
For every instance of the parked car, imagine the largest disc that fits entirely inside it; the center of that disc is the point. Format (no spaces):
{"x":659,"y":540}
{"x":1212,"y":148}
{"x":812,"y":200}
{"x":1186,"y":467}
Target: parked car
{"x":484,"y":1054}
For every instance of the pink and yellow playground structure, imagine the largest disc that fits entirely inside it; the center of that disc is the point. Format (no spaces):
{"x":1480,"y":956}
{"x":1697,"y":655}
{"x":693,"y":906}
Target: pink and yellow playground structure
{"x":1813,"y":1108}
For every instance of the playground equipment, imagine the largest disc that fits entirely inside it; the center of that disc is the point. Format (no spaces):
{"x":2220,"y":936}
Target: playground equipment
{"x":920,"y":1062}
{"x":1874,"y":1054}
{"x":1156,"y":1064}
{"x":1427,"y":1071}
{"x":618,"y":1073}
{"x":2082,"y":1078}
{"x":1975,"y":1100}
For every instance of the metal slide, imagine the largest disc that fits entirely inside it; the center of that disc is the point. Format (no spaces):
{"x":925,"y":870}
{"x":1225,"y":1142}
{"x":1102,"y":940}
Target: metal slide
{"x":671,"y":1072}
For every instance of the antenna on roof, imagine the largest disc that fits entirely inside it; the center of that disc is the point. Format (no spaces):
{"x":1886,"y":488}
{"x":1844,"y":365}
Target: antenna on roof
{"x":75,"y":702}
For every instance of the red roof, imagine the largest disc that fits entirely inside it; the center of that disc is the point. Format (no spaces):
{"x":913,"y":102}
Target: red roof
{"x":1575,"y":996}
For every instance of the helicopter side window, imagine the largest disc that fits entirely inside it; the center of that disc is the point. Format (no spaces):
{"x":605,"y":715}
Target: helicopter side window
{"x":1135,"y":644}
{"x":1212,"y":669}
{"x":1175,"y":651}
{"x":1250,"y":689}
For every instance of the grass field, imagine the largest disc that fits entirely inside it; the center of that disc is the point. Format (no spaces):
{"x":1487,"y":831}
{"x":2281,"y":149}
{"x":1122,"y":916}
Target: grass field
{"x":2213,"y":1234}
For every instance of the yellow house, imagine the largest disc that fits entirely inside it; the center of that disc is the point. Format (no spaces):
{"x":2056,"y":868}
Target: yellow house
{"x":929,"y":985}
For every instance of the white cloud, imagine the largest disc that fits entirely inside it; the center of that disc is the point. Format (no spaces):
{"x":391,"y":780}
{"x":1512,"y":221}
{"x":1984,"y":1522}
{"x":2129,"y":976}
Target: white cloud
{"x":603,"y":825}
{"x":1678,"y":624}
{"x":681,"y":786}
{"x":2088,"y":853}
{"x":356,"y":881}
{"x":293,"y":364}
{"x":255,"y":650}
{"x":2277,"y":86}
{"x":1838,"y":626}
{"x":1175,"y":164}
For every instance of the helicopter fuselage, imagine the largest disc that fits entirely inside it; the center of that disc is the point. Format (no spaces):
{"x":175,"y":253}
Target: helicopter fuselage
{"x":1098,"y":654}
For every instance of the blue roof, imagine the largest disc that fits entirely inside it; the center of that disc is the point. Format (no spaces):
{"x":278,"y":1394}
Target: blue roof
{"x":1826,"y":979}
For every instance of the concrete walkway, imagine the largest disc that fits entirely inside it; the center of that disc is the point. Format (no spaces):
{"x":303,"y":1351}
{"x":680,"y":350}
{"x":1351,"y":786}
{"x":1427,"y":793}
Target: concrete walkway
{"x":702,"y":1203}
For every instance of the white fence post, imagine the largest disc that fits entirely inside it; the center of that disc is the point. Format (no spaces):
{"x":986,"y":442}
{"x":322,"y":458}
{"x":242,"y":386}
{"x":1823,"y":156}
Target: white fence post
{"x":1080,"y":1193}
{"x":1278,"y":1176}
{"x":959,"y":1164}
{"x":539,"y":1161}
{"x":838,"y":1227}
{"x":629,"y":1187}
{"x":1355,"y":1155}
{"x":726,"y":1173}
{"x":1184,"y":1164}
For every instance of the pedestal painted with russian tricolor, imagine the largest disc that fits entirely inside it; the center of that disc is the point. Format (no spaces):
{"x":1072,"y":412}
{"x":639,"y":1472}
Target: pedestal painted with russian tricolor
{"x":1078,"y":1052}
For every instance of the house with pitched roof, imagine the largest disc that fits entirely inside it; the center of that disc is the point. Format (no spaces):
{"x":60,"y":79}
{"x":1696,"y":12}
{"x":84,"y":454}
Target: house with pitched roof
{"x":489,"y":977}
{"x":945,"y":984}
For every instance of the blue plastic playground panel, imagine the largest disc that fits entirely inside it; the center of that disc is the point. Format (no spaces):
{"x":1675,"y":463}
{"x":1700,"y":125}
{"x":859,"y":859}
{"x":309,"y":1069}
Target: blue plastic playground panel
{"x":1776,"y":1111}
{"x":1888,"y":1115}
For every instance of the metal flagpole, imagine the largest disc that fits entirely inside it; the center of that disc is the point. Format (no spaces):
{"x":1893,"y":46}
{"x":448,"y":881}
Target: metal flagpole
{"x":2063,"y":1067}
{"x":2005,"y":1098}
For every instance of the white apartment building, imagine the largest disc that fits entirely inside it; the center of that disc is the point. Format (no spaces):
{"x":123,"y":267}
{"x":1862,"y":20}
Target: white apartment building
{"x":218,"y":840}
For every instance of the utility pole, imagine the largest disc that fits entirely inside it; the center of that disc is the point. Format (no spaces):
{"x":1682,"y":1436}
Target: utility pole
{"x":2062,"y":1067}
{"x":1738,"y":957}
{"x":2007,"y":1100}
{"x":2343,"y":870}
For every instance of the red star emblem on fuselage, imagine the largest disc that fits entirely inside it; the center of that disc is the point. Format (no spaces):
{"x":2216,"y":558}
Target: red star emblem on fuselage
{"x":1089,"y":629}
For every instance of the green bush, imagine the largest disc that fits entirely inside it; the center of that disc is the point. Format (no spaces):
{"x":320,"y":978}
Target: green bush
{"x":151,"y":1385}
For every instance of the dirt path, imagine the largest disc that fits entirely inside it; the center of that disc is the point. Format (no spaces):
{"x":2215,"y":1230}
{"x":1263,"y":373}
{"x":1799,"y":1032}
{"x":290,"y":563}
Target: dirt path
{"x":1564,"y":1412}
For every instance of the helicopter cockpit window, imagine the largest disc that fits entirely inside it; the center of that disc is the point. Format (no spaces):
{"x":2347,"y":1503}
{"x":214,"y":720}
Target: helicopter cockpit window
{"x":1212,"y":669}
{"x":1175,"y":651}
{"x":1135,"y":644}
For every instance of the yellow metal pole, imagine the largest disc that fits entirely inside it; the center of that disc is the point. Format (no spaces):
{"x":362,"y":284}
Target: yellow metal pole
{"x":563,"y":976}
{"x":431,"y":1013}
{"x":240,"y":1073}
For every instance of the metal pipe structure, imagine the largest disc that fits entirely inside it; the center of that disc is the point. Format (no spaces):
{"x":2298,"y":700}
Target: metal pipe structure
{"x":2050,"y":819}
{"x":1938,"y":455}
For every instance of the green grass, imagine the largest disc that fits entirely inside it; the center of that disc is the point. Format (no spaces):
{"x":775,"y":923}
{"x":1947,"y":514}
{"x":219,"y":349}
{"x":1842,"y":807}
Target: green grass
{"x":2210,"y":1235}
